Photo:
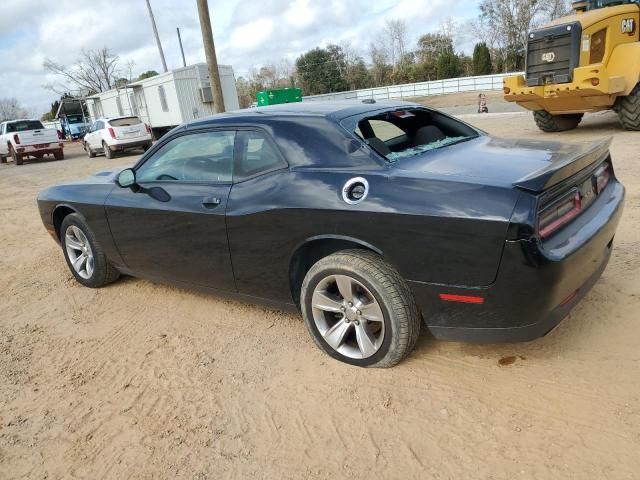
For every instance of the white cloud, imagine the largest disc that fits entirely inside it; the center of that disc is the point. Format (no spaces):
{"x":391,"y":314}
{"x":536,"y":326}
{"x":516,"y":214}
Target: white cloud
{"x":300,"y":14}
{"x":252,"y":35}
{"x":248,"y":33}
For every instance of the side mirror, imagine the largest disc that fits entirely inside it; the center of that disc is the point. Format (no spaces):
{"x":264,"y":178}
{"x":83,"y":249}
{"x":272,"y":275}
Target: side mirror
{"x":126,"y":178}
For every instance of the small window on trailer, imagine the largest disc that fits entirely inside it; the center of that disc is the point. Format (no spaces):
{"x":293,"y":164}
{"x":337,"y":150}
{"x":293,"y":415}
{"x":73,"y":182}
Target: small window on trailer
{"x":163,"y":98}
{"x":119,"y":105}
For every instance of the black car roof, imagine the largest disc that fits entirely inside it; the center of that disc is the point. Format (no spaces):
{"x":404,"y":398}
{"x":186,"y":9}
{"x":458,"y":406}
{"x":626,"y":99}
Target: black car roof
{"x":334,"y":110}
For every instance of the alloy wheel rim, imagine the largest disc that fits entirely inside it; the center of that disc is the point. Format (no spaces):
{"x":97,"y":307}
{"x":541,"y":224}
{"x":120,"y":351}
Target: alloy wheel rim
{"x":348,"y":316}
{"x":79,"y":252}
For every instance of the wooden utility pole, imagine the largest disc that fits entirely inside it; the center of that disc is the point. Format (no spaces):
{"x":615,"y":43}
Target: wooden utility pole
{"x":155,"y":32}
{"x":210,"y":53}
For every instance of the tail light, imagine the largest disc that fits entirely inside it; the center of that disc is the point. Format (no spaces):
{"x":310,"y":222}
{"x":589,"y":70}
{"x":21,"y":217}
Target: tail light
{"x":559,"y":213}
{"x":112,"y":133}
{"x":16,"y":139}
{"x":148,"y":128}
{"x":602,"y":178}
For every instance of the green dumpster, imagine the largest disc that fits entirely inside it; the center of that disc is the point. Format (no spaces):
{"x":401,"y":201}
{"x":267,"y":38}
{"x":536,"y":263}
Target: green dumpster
{"x":275,"y":97}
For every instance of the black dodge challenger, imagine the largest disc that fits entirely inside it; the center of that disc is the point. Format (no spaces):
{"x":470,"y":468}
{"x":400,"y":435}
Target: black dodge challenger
{"x":370,"y":217}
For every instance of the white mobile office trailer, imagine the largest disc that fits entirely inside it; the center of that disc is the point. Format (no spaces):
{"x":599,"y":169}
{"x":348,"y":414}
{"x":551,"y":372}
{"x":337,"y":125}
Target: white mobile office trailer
{"x":168,"y":99}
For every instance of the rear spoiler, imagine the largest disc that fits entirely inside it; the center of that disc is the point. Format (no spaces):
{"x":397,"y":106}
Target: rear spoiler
{"x":563,"y":165}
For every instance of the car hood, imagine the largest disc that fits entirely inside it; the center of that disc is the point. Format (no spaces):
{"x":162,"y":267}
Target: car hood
{"x":104,"y":176}
{"x":530,"y":164}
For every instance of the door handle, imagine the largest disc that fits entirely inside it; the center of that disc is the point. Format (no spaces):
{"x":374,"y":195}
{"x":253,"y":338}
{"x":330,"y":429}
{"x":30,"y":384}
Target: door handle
{"x":210,"y":202}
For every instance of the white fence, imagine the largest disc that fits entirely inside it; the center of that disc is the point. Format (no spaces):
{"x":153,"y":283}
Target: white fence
{"x":421,"y":89}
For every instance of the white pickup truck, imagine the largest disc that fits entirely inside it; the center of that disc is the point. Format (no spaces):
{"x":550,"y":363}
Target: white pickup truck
{"x":28,"y":138}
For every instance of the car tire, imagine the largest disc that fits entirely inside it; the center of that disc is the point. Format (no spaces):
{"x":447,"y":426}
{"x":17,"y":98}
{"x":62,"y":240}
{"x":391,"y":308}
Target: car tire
{"x":78,"y":240}
{"x":556,"y":123}
{"x":90,"y":153}
{"x":107,"y":151}
{"x":377,"y":327}
{"x":628,"y":109}
{"x":59,"y":155}
{"x":3,"y":159}
{"x":17,"y":158}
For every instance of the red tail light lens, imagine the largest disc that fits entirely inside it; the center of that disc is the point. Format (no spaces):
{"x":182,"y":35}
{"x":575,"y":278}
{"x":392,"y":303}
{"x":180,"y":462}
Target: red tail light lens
{"x":558,"y":214}
{"x":112,"y":133}
{"x":16,"y":139}
{"x":148,"y":128}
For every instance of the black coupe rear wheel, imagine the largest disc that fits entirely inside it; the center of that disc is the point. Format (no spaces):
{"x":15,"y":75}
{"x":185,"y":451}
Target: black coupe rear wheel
{"x":359,"y":310}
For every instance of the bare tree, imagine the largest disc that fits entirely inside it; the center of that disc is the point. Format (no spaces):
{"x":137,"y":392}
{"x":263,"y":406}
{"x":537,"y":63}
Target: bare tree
{"x":380,"y":69}
{"x":450,"y":29}
{"x":558,"y":8}
{"x":394,"y":41}
{"x":94,"y":71}
{"x":10,"y":109}
{"x":504,"y":24}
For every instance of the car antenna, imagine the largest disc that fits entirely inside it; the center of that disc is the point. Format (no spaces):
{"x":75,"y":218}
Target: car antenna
{"x":369,"y":100}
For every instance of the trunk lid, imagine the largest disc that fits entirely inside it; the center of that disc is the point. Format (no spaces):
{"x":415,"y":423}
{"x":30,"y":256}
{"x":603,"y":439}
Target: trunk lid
{"x":131,"y":127}
{"x":528,"y":164}
{"x":564,"y":163}
{"x":130,"y":132}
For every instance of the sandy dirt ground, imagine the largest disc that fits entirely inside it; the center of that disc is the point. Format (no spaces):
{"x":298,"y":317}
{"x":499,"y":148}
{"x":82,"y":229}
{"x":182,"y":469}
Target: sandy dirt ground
{"x":140,"y":380}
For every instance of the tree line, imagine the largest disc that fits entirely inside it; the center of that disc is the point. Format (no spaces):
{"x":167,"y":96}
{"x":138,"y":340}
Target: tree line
{"x":391,"y":58}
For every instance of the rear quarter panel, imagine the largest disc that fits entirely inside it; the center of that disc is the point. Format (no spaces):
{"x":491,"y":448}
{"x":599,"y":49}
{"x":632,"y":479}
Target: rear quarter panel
{"x":430,"y":230}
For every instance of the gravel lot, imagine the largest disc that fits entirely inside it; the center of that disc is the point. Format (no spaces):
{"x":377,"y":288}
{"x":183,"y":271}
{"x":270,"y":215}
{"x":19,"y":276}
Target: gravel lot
{"x":140,"y":380}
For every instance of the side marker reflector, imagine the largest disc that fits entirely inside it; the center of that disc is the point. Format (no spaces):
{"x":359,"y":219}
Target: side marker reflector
{"x":461,"y":298}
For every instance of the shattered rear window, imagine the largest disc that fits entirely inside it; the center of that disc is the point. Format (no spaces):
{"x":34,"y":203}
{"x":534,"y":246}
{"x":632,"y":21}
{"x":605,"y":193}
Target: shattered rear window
{"x":407,"y":132}
{"x":413,"y":151}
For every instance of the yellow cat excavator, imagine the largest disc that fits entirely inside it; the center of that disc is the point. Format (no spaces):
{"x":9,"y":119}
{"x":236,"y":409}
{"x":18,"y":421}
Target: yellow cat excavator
{"x":585,"y":62}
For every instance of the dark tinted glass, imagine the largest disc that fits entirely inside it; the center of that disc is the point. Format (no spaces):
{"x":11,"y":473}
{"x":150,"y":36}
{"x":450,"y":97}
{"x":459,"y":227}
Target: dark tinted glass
{"x":257,"y":155}
{"x":198,"y":157}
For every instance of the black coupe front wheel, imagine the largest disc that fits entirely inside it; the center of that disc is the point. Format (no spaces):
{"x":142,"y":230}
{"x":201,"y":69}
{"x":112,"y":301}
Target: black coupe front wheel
{"x":84,"y":256}
{"x":359,"y":310}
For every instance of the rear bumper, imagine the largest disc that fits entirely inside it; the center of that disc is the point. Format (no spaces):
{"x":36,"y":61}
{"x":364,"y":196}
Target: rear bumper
{"x":32,"y":149}
{"x":536,"y":287}
{"x":125,"y":145}
{"x":579,"y":96}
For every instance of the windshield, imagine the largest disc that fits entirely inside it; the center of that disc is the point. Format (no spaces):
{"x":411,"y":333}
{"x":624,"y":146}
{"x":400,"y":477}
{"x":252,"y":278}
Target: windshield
{"x":409,"y":132}
{"x":75,"y":119}
{"x":595,"y":4}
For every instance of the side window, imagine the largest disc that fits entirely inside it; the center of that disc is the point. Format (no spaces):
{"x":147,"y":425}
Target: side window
{"x":99,"y":126}
{"x":197,"y":157}
{"x":257,"y":155}
{"x":385,"y":131}
{"x":163,"y":98}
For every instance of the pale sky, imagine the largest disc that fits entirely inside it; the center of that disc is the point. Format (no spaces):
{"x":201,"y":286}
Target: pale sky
{"x":248,"y":33}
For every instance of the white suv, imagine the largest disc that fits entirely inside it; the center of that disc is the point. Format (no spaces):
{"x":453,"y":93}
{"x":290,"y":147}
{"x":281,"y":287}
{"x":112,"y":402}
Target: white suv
{"x":110,"y":135}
